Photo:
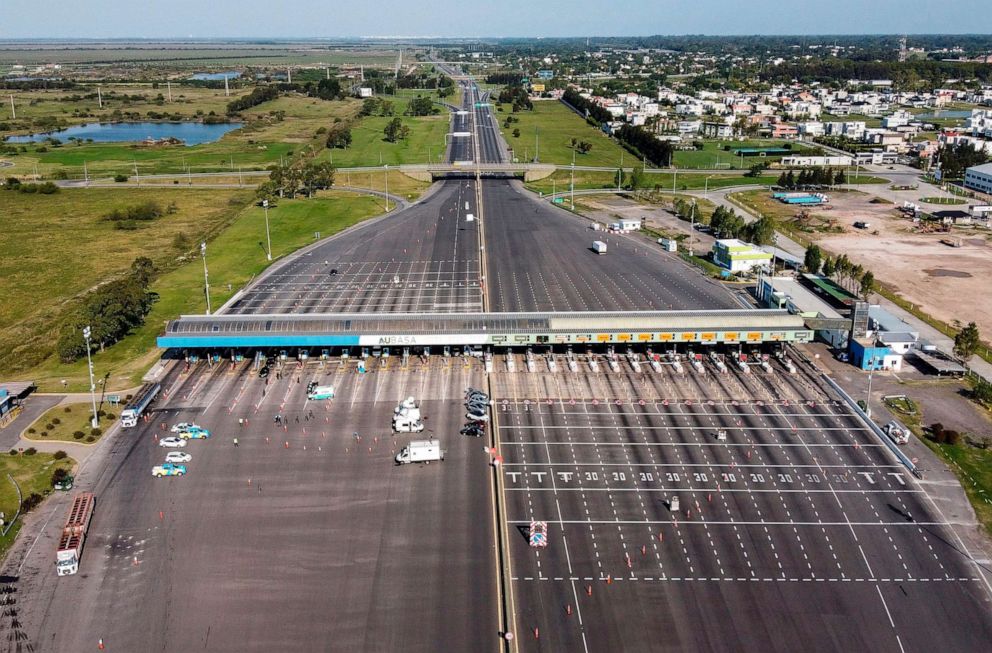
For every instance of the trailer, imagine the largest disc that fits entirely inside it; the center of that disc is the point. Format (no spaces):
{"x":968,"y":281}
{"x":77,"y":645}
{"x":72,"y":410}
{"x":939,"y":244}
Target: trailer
{"x":74,"y":534}
{"x":599,"y":247}
{"x":134,"y":410}
{"x":420,"y":451}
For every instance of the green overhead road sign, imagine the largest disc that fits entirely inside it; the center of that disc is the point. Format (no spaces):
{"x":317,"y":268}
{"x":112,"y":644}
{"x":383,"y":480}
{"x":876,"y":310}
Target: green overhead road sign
{"x":559,"y":200}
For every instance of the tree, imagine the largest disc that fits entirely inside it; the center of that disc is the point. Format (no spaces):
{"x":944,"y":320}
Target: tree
{"x":840,"y":178}
{"x":828,"y":267}
{"x":982,"y":392}
{"x":761,"y":231}
{"x":813,"y":259}
{"x":584,"y":147}
{"x":420,"y":106}
{"x":967,"y":341}
{"x":637,"y":178}
{"x":867,"y":284}
{"x":317,"y":175}
{"x":395,"y":130}
{"x":338,"y":137}
{"x":516,"y":132}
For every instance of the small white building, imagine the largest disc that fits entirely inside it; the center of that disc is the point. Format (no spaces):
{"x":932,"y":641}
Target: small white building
{"x":364,"y":91}
{"x":625,"y":225}
{"x":738,"y":256}
{"x":979,"y":178}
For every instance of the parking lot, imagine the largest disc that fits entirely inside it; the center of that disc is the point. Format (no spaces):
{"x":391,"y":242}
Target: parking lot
{"x":798,"y":531}
{"x":303,"y":537}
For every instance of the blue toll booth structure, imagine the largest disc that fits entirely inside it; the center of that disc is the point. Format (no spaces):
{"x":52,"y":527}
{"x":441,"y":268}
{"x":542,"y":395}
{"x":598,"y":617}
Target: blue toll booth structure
{"x":868,"y":355}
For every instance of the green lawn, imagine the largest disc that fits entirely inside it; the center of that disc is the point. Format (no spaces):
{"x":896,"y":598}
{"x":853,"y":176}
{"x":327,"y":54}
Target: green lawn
{"x":554,"y":125}
{"x":67,"y":421}
{"x":713,"y":154}
{"x":584,"y":179}
{"x":234,"y":257}
{"x":33,"y":474}
{"x":369,"y":146}
{"x":55,"y":247}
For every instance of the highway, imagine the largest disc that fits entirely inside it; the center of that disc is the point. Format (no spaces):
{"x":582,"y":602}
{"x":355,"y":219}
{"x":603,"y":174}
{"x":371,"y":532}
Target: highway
{"x":797,"y":532}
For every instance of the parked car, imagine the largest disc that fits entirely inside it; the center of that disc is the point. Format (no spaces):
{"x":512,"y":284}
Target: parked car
{"x":477,"y":416}
{"x":172,"y":442}
{"x":178,"y":457}
{"x":474,"y":431}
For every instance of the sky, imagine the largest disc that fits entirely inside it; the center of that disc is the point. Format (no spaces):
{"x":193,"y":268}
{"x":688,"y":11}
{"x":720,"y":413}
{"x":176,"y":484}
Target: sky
{"x":481,"y":18}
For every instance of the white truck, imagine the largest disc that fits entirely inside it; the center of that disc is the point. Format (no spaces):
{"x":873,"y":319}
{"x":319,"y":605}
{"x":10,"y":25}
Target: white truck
{"x":599,"y":247}
{"x":74,"y":534}
{"x":896,"y":432}
{"x":420,"y":451}
{"x":669,"y":244}
{"x":406,"y":417}
{"x":321,"y":392}
{"x":134,"y":410}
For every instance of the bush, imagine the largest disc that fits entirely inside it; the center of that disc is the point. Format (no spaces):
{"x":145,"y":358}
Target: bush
{"x":120,"y":179}
{"x":56,"y":420}
{"x":59,"y":475}
{"x":49,"y":426}
{"x":78,"y":435}
{"x":90,"y":438}
{"x":67,"y":409}
{"x":32,"y":431}
{"x":12,"y":452}
{"x":30,"y":451}
{"x":31,"y":502}
{"x":60,"y":455}
{"x":952,"y":437}
{"x":111,"y":416}
{"x":937,"y":432}
{"x":95,"y":431}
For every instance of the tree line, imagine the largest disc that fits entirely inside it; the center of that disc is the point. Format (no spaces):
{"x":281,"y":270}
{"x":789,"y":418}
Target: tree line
{"x":811,"y":177}
{"x":841,"y":269}
{"x":111,"y":311}
{"x":302,"y":176}
{"x":258,"y":95}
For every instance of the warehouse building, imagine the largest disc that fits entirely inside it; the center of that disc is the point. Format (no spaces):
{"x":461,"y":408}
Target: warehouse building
{"x":979,"y":178}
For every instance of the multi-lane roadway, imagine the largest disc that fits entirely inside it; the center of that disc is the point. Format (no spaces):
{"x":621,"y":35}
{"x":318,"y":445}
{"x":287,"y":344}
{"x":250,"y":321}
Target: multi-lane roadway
{"x":797,"y":531}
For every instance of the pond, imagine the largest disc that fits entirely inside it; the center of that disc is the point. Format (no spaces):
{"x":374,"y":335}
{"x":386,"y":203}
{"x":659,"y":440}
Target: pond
{"x":191,"y":133}
{"x":215,"y":77}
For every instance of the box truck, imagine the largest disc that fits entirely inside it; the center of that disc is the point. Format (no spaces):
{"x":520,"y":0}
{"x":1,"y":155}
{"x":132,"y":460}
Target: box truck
{"x":420,"y":451}
{"x":599,"y":247}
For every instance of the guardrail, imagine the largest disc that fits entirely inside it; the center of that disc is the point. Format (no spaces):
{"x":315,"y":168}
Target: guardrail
{"x":893,"y":447}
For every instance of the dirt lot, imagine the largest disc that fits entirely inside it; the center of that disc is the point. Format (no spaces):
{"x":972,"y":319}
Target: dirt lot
{"x":651,"y":211}
{"x":927,"y":272}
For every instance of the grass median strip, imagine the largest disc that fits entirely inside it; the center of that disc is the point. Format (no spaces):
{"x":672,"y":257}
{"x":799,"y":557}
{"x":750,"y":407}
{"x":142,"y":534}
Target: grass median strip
{"x":33,"y":475}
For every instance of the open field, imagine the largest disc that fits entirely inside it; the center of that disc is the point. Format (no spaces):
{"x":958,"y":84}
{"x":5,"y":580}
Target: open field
{"x":585,"y":179}
{"x":916,"y":266}
{"x":67,"y":420}
{"x":369,"y":146}
{"x":556,"y":125}
{"x":234,"y":257}
{"x":198,"y":58}
{"x":55,"y":247}
{"x":713,"y":154}
{"x":266,"y":138}
{"x":33,"y":474}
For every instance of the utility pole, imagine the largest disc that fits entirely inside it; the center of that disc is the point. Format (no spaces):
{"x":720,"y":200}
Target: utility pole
{"x":206,"y":278}
{"x":386,"y":186}
{"x":87,"y":332}
{"x":13,"y":109}
{"x":137,"y":179}
{"x":289,"y":75}
{"x":573,"y":187}
{"x":871,"y":370}
{"x":537,"y":146}
{"x":268,"y":237}
{"x":227,"y":89}
{"x":692,"y":225}
{"x":168,"y":85}
{"x":99,"y":95}
{"x":86,"y":176}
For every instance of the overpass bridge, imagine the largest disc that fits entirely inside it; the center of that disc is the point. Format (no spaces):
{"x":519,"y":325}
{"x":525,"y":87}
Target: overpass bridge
{"x":712,"y":327}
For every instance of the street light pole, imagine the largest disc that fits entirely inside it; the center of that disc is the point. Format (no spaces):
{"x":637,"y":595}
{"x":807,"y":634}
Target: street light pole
{"x":206,"y":278}
{"x":89,"y":363}
{"x":871,"y":371}
{"x":268,"y":237}
{"x":386,"y":186}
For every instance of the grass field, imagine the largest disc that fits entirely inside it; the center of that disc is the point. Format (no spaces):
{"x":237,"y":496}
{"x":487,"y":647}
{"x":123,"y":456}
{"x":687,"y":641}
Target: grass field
{"x":198,"y":58}
{"x":32,"y":474}
{"x":943,"y":200}
{"x":713,"y":155}
{"x":55,"y":247}
{"x":556,"y":125}
{"x":68,"y":420}
{"x":234,"y":257}
{"x":585,"y":179}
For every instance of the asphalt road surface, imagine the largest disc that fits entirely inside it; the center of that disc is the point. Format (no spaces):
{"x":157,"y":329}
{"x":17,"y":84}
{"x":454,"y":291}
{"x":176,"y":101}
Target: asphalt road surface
{"x":302,"y":538}
{"x":797,"y":532}
{"x":540,"y":258}
{"x":423,"y":259}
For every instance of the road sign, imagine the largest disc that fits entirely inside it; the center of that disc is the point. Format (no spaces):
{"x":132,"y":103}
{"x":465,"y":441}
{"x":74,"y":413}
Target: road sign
{"x":114,"y":399}
{"x":558,"y":200}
